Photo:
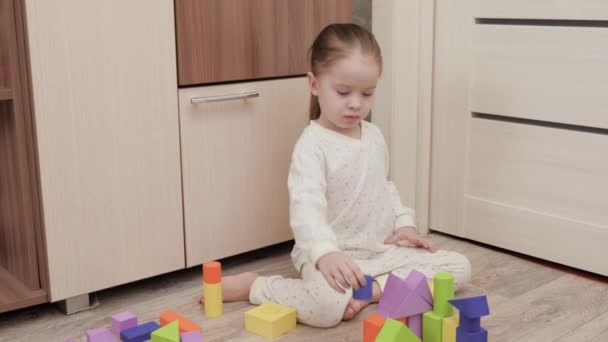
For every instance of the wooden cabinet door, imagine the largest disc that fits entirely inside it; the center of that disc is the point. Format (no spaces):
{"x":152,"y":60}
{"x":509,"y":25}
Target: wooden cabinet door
{"x":519,"y":128}
{"x":225,"y":40}
{"x":236,"y":157}
{"x":105,"y":97}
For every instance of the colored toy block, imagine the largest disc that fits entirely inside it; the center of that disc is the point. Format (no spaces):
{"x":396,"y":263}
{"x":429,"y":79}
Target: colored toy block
{"x":399,"y":300}
{"x":432,"y":288}
{"x":414,"y":322}
{"x":213,"y":300}
{"x":365,"y":292}
{"x":100,"y":335}
{"x":270,"y":320}
{"x":418,"y":283}
{"x":371,"y":327}
{"x":395,"y":331}
{"x":191,"y":336}
{"x":168,"y":333}
{"x":448,"y":330}
{"x":212,"y":289}
{"x":472,"y":307}
{"x":123,"y":320}
{"x":212,"y":272}
{"x":431,"y":327}
{"x":444,"y":291}
{"x":185,"y":324}
{"x":402,"y":320}
{"x":139,"y":333}
{"x":480,"y":335}
{"x":471,"y":310}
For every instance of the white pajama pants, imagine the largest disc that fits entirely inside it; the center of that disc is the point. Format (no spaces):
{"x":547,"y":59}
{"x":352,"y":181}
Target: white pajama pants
{"x":319,"y":305}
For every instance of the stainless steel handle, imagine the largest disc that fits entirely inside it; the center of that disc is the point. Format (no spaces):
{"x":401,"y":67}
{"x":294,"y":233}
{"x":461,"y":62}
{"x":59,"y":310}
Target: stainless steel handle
{"x":228,"y":97}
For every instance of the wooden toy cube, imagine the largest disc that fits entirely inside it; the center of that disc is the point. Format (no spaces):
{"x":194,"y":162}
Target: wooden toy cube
{"x":270,"y":320}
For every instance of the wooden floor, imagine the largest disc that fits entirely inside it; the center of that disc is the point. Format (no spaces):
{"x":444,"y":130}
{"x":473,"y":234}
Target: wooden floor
{"x":529,"y":301}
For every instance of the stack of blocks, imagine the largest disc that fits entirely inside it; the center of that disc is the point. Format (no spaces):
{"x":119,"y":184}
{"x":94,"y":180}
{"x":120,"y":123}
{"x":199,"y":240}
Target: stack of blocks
{"x":212,"y":289}
{"x":471,"y":311}
{"x":414,"y":299}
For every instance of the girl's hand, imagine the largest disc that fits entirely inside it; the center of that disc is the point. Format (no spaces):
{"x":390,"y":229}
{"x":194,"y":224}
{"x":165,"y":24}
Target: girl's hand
{"x":405,"y":236}
{"x":340,"y":271}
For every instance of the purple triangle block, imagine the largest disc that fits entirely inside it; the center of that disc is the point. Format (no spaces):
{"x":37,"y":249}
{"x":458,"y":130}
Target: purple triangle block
{"x":394,"y":291}
{"x":418,"y":283}
{"x":415,"y":324}
{"x":411,"y":305}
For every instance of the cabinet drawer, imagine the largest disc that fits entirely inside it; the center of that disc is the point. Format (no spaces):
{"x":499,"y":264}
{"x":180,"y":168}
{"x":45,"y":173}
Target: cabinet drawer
{"x":539,"y":191}
{"x":236,"y":157}
{"x":555,"y":171}
{"x":225,"y":40}
{"x":543,"y":9}
{"x":546,"y":73}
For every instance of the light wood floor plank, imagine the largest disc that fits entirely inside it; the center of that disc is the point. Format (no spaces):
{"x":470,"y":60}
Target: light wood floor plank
{"x":528,"y":302}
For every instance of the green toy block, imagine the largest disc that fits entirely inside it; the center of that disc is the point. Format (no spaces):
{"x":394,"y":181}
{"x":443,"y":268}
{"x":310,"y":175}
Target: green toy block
{"x":168,"y":333}
{"x":443,"y":291}
{"x":432,"y":326}
{"x":394,"y":331}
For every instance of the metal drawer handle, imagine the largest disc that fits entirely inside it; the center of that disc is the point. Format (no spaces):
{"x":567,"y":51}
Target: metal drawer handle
{"x":228,"y":97}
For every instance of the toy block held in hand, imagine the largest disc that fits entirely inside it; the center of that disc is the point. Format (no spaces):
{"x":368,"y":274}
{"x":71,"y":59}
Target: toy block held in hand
{"x":191,"y":336}
{"x":270,"y":319}
{"x":139,"y":333}
{"x":212,"y":289}
{"x":448,"y":331}
{"x":365,"y":292}
{"x":395,"y":331}
{"x":100,"y":335}
{"x":168,"y":333}
{"x":123,"y":320}
{"x":185,"y":325}
{"x":471,"y":310}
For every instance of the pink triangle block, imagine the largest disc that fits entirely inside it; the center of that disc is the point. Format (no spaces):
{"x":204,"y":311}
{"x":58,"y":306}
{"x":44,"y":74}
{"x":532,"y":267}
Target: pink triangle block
{"x":418,"y":283}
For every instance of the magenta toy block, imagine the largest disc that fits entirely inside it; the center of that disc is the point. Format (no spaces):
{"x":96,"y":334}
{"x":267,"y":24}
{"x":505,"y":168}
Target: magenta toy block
{"x":122,"y":321}
{"x":399,"y":300}
{"x":365,"y":292}
{"x":191,"y":336}
{"x":414,"y":322}
{"x":419,"y":284}
{"x":100,"y":335}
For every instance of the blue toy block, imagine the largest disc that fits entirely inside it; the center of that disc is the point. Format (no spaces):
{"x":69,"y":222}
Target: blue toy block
{"x":365,"y":292}
{"x":139,"y":333}
{"x":480,"y":335}
{"x":472,"y":307}
{"x":471,"y":310}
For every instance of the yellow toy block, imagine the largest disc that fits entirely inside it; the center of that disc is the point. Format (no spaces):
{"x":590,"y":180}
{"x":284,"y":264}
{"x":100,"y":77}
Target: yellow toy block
{"x":213,"y":300}
{"x":448,"y":333}
{"x":270,"y":319}
{"x":432,"y":288}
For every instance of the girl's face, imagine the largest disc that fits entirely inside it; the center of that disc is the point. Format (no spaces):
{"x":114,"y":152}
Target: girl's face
{"x":346,"y":92}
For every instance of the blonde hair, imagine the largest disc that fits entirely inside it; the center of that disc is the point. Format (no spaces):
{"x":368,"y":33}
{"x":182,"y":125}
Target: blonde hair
{"x":338,"y":41}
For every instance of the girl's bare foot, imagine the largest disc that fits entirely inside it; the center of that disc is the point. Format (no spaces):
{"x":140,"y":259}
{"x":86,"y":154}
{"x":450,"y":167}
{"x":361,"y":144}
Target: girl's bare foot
{"x":236,"y":288}
{"x":356,"y":305}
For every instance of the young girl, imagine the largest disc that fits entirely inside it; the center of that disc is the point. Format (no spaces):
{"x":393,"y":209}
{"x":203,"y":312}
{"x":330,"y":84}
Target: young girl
{"x":346,"y":216}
